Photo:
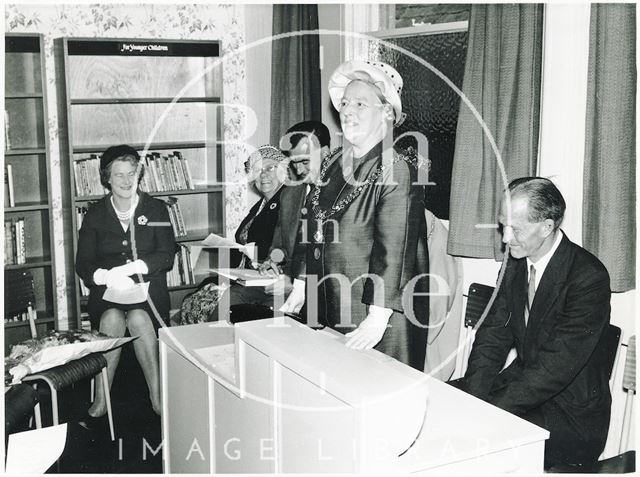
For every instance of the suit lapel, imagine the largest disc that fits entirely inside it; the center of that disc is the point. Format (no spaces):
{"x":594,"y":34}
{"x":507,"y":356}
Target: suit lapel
{"x":553,"y":279}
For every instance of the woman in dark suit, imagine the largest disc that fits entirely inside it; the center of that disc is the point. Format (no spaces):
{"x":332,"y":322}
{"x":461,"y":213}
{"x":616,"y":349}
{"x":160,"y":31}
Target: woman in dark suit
{"x":266,"y":172}
{"x":366,"y":262}
{"x":126,"y":238}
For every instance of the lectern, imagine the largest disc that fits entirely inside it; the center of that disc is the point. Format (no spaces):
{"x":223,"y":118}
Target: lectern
{"x":272,"y":396}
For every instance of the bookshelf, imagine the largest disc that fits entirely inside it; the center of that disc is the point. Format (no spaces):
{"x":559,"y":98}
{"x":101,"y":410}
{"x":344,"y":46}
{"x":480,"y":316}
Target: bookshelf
{"x":27,"y":200}
{"x":164,"y":98}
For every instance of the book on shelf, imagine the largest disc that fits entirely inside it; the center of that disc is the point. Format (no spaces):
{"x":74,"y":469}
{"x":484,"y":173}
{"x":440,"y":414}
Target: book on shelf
{"x":186,"y":171}
{"x":7,"y":136}
{"x":10,"y":197}
{"x":14,"y":241}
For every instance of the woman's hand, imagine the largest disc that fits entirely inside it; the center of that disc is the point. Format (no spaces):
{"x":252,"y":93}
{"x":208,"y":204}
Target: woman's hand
{"x":371,"y":330}
{"x":296,"y":298}
{"x":118,"y":280}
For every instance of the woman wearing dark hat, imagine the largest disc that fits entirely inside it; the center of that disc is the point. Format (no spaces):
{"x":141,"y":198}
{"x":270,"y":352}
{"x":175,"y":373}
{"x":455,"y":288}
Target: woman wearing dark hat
{"x":266,"y":171}
{"x":367,"y":261}
{"x":126,"y":238}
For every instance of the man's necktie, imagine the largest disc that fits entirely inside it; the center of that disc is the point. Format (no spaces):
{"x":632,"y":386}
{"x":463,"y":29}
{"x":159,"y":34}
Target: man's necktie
{"x":531,"y":292}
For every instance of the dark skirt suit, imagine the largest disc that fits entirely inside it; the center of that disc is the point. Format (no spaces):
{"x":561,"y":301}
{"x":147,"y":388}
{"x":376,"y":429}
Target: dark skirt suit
{"x":102,"y":243}
{"x":261,"y":226}
{"x":381,"y":232}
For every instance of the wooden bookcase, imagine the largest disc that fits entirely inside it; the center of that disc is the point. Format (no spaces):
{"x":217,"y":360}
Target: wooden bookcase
{"x":26,"y":152}
{"x":157,"y":96}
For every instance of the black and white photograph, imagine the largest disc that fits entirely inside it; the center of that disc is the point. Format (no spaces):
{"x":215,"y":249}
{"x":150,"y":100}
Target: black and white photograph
{"x":320,"y":238}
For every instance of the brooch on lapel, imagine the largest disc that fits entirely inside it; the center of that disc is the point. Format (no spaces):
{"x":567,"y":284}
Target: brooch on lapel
{"x":142,"y":220}
{"x":273,"y":206}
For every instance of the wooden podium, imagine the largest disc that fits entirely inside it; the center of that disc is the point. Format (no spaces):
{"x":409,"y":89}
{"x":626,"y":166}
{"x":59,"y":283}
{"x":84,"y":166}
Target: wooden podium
{"x":273,"y":396}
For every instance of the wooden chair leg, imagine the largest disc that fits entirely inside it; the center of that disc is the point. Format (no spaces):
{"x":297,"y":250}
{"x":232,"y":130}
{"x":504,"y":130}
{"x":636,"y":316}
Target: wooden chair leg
{"x":107,"y":398}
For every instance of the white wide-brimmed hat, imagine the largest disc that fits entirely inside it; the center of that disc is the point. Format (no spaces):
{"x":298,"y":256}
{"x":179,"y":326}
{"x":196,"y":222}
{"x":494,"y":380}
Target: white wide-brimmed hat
{"x":385,"y":77}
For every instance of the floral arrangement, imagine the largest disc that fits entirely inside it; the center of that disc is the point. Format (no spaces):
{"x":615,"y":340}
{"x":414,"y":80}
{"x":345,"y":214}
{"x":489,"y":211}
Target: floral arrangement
{"x":54,"y":349}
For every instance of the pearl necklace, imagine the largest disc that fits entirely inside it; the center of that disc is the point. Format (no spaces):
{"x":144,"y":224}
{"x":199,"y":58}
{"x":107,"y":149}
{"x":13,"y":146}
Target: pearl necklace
{"x":126,"y":215}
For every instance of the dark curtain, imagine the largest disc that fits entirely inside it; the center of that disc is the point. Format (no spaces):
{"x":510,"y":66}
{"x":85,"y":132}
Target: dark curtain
{"x":295,"y":73}
{"x":609,"y":215}
{"x":502,"y":81}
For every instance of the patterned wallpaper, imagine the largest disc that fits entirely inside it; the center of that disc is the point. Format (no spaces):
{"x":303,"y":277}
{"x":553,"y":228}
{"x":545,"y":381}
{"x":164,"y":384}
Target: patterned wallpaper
{"x":196,"y":22}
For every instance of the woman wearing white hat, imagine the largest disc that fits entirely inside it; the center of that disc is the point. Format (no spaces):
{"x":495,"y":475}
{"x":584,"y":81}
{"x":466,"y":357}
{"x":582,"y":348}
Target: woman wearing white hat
{"x":366,"y":260}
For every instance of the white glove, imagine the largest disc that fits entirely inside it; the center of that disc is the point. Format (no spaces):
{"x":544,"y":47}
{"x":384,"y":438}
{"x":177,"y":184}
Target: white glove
{"x":100,"y":276}
{"x":295,"y":300}
{"x":132,"y":268}
{"x":370,"y":331}
{"x":118,"y":280}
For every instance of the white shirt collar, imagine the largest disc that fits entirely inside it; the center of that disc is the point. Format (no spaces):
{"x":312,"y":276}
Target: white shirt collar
{"x":541,"y":264}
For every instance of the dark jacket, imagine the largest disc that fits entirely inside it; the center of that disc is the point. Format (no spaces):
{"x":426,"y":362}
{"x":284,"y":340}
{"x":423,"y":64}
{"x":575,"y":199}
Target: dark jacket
{"x":288,"y":226}
{"x":102,"y":243}
{"x":557,"y":371}
{"x":261,"y":228}
{"x":380,"y":233}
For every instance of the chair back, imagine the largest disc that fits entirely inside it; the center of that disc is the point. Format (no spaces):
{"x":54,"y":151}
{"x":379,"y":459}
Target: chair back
{"x":607,"y":348}
{"x":19,"y":292}
{"x":477,"y":300}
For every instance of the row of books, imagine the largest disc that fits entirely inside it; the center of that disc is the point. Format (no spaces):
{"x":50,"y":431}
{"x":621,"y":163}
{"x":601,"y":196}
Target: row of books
{"x":166,"y":172}
{"x":175,"y":216}
{"x":182,"y":271}
{"x":163,"y":172}
{"x":14,"y":241}
{"x":87,"y":175}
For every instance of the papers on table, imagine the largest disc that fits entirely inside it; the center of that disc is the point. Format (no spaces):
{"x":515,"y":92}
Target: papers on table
{"x":216,"y":241}
{"x":130,"y":296}
{"x":33,"y":452}
{"x":245,"y":276}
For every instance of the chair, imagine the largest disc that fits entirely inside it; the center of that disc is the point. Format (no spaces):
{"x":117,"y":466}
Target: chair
{"x":629,"y":385}
{"x":70,"y":373}
{"x":21,"y":297}
{"x":478,"y":297}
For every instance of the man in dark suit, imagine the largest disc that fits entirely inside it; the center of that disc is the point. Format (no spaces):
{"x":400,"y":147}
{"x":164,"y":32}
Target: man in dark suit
{"x":306,"y":144}
{"x":553,"y":307}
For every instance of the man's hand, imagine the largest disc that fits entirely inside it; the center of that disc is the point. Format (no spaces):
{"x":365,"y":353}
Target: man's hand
{"x":371,"y":330}
{"x":296,"y":298}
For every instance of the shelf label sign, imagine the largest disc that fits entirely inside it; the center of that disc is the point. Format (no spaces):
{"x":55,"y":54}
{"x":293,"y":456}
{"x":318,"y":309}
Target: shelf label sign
{"x":143,"y":48}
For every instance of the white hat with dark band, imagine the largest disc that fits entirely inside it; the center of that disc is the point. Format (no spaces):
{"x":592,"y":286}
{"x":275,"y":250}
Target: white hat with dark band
{"x":384,"y":76}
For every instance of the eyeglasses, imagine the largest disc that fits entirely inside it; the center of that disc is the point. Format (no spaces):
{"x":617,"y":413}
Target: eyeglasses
{"x":259,"y":170}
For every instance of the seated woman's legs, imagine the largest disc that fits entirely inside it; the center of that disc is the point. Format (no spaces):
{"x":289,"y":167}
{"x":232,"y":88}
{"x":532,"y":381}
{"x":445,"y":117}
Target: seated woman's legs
{"x":146,"y":349}
{"x":112,"y":323}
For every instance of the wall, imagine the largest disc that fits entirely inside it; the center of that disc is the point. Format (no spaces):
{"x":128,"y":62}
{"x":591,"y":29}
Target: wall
{"x":210,"y":22}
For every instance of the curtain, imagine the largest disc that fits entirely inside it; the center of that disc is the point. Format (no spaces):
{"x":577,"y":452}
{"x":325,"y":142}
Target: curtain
{"x":295,"y":74}
{"x":609,"y":224}
{"x":502,"y":81}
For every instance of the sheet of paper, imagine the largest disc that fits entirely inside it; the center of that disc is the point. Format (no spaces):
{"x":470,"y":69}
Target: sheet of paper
{"x":33,"y":452}
{"x":135,"y":294}
{"x":216,"y":241}
{"x":245,"y":276}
